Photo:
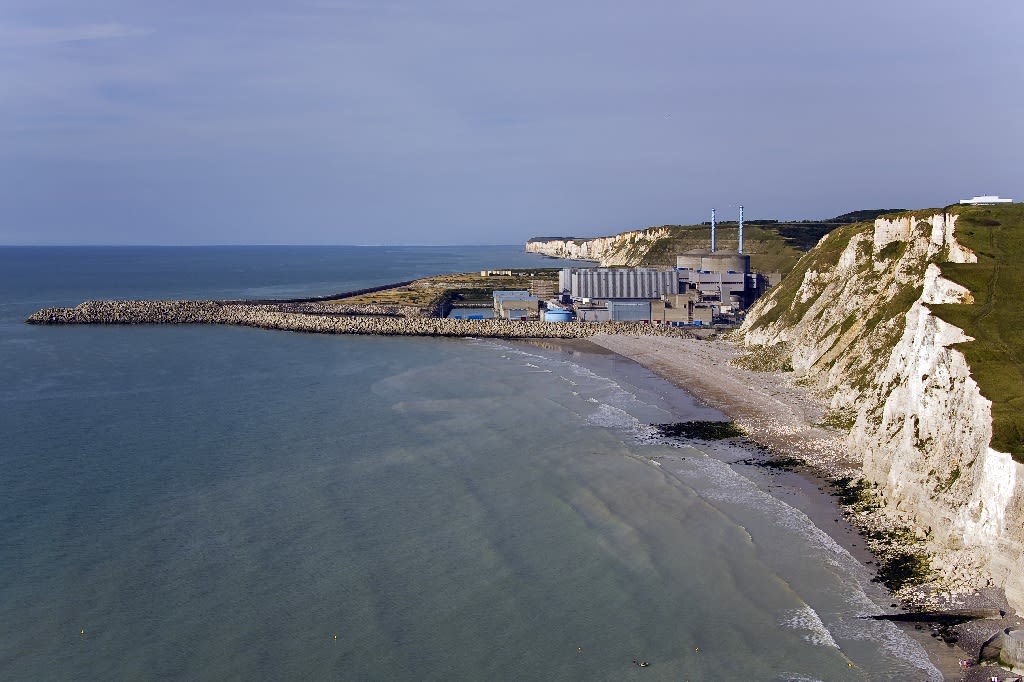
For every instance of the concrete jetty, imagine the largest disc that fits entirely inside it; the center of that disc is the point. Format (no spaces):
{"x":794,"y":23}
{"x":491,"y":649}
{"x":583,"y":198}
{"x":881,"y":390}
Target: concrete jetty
{"x":324,"y":318}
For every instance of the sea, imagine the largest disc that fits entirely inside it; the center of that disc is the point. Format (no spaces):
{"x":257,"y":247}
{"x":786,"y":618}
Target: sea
{"x":223,"y":503}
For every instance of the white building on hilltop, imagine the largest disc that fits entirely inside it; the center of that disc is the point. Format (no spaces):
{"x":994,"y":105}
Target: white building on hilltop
{"x":986,"y":200}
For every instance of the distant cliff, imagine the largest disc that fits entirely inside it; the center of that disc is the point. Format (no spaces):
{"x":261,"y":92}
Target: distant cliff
{"x":773,"y":245}
{"x":626,"y":248}
{"x":853,"y":319}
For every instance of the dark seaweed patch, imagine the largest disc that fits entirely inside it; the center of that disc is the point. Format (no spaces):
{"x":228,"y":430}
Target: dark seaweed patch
{"x":784,"y":463}
{"x":700,"y":430}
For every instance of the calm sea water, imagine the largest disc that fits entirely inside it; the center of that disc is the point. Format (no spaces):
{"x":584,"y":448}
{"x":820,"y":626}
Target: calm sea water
{"x":213,"y":503}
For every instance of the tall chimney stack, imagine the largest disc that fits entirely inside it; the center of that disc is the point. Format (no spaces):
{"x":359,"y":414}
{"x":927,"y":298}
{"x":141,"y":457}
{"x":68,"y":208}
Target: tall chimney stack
{"x":740,"y":249}
{"x":712,"y":230}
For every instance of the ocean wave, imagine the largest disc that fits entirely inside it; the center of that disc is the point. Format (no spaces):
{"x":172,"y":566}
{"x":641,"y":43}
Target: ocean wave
{"x":731,"y":487}
{"x":601,"y":388}
{"x":805,"y":618}
{"x":609,"y":416}
{"x":888,"y":637}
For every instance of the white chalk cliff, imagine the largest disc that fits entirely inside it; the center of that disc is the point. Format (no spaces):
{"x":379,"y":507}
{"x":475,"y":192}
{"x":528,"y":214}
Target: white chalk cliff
{"x":853,"y":320}
{"x":625,"y":249}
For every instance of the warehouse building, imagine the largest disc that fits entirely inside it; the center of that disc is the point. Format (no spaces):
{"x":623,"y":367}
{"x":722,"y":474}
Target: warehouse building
{"x":617,"y":283}
{"x":721,"y":278}
{"x":516,"y":305}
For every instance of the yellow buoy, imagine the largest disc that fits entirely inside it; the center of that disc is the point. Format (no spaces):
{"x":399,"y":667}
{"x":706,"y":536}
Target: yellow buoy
{"x":82,"y":633}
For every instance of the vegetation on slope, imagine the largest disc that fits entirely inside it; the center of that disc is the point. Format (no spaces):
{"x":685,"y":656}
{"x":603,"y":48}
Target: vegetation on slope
{"x":769,"y":251}
{"x":467,"y":287}
{"x":996,"y":319}
{"x":785,"y":308}
{"x":852,"y":335}
{"x":773,"y":246}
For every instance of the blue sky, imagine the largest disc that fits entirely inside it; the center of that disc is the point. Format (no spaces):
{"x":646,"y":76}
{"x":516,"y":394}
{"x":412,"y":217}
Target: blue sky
{"x":460,"y":121}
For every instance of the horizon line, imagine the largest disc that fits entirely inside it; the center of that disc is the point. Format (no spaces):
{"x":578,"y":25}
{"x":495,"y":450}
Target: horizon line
{"x":222,"y":245}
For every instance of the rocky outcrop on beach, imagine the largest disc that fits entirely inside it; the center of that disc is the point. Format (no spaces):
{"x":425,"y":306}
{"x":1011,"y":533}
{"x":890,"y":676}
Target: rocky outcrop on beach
{"x":624,"y":249}
{"x":331,"y":319}
{"x":852,"y":321}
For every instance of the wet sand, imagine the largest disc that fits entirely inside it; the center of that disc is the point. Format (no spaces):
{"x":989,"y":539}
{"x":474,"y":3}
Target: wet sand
{"x":772,"y":411}
{"x":782,"y":417}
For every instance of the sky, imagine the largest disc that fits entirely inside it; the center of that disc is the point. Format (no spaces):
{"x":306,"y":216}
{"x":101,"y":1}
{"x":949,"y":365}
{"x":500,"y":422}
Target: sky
{"x":477,"y":122}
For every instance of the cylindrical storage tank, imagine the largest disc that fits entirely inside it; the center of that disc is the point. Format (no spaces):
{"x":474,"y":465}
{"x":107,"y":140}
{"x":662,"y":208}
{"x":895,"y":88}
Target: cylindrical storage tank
{"x":691,"y":259}
{"x":558,"y":316}
{"x":725,"y":261}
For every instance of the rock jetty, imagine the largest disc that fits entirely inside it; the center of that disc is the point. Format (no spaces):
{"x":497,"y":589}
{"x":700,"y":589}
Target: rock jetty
{"x":323,"y":318}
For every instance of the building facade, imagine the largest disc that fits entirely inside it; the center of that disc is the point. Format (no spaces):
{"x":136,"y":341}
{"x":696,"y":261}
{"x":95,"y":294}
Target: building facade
{"x":516,"y":305}
{"x":617,"y":283}
{"x":721,"y":278}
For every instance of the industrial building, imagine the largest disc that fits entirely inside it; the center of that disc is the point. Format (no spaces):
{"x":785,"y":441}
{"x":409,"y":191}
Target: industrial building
{"x":683,"y":309}
{"x":721,"y":278}
{"x":617,"y":283}
{"x":705,"y":283}
{"x":516,"y":305}
{"x":986,"y":200}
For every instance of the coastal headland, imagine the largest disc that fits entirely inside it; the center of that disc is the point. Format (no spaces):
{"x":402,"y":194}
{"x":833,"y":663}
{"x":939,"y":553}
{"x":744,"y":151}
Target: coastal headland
{"x":788,"y":420}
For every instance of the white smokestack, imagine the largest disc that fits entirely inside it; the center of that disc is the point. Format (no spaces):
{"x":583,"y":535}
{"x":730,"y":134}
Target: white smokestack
{"x":712,"y":230}
{"x":740,"y":249}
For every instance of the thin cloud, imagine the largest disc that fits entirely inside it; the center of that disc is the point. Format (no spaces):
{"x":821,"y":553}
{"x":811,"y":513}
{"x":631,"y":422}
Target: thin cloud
{"x":55,"y":35}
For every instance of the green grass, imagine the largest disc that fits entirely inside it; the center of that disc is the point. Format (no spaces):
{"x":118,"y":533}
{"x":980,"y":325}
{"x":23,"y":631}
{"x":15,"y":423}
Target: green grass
{"x":470,"y":286}
{"x":788,"y":309}
{"x":996,"y":319}
{"x":773,"y":246}
{"x":769,"y":249}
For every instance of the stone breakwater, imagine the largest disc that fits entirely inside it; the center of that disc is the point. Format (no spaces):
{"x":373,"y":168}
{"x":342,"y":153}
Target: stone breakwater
{"x":332,"y":319}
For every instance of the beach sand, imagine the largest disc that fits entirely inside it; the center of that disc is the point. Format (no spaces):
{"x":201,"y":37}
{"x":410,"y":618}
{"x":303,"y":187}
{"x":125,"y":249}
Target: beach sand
{"x":767,"y":405}
{"x":786,"y":419}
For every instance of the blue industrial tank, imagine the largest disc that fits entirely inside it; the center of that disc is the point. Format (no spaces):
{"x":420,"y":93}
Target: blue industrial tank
{"x":558,"y":316}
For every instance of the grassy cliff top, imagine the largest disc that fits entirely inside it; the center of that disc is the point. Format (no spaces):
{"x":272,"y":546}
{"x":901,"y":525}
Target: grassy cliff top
{"x":769,"y":249}
{"x":773,"y":245}
{"x":464,"y":286}
{"x":996,"y":319}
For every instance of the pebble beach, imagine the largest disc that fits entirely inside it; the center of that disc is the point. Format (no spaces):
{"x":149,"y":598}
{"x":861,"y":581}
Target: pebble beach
{"x":785,"y":418}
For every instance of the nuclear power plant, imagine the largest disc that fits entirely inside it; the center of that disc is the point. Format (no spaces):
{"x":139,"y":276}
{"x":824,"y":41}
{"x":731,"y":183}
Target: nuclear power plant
{"x":705,"y":286}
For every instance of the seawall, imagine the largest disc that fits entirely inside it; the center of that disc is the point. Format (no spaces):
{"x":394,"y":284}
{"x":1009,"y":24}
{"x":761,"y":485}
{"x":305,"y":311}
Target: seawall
{"x":331,"y":319}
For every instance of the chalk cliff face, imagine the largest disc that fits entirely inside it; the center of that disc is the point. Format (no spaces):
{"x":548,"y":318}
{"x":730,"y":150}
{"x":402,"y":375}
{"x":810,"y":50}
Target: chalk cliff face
{"x":852,"y":319}
{"x":625,"y":249}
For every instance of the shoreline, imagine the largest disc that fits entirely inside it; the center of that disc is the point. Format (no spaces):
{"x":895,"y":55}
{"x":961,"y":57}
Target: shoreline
{"x":785,"y":420}
{"x":777,"y":416}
